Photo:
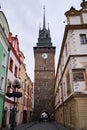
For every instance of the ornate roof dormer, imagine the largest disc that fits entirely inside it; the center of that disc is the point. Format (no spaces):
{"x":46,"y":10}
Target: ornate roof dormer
{"x":72,"y":12}
{"x":44,"y":38}
{"x":84,"y":4}
{"x":75,"y":17}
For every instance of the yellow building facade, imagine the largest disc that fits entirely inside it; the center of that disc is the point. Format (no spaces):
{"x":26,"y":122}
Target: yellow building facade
{"x":23,"y":115}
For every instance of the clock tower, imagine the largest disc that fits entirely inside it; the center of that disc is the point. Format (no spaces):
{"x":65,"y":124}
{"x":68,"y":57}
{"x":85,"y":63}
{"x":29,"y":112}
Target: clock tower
{"x":44,"y":73}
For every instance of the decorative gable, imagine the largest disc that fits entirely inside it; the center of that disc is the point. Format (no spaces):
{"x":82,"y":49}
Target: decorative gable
{"x":72,"y":12}
{"x":14,"y":44}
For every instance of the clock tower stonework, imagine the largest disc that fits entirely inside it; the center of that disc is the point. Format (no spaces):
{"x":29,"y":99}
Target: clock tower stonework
{"x":44,"y":73}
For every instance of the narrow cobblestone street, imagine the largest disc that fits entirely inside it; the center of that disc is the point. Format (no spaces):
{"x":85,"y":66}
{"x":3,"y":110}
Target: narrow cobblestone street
{"x":40,"y":126}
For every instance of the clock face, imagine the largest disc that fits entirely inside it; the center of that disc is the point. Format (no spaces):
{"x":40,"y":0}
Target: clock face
{"x":45,"y":55}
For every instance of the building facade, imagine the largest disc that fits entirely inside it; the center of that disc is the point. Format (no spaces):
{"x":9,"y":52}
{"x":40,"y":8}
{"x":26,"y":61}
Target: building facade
{"x":24,"y":106}
{"x":4,"y":58}
{"x":28,"y":99}
{"x":71,"y":75}
{"x":44,"y":73}
{"x":22,"y":77}
{"x":13,"y":73}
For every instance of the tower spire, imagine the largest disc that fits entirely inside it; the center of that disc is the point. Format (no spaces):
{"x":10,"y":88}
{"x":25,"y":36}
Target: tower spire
{"x":44,"y":26}
{"x":44,"y":38}
{"x":48,"y":30}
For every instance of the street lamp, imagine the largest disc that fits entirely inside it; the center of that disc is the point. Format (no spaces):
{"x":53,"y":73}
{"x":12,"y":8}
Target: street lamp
{"x":15,"y":84}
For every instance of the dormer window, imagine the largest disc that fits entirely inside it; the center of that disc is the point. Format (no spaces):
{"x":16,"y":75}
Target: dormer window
{"x":83,"y":39}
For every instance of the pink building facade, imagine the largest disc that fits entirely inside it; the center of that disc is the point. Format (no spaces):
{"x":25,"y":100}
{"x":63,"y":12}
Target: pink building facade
{"x":13,"y":73}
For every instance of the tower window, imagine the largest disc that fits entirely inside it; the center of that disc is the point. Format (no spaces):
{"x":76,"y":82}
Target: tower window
{"x":83,"y":39}
{"x":47,"y":36}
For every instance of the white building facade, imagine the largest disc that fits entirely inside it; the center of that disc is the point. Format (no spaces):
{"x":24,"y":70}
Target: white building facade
{"x":71,"y":76}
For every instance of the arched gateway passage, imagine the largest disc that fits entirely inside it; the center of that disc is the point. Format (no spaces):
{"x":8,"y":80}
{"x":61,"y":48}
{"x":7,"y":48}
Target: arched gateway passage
{"x":44,"y":116}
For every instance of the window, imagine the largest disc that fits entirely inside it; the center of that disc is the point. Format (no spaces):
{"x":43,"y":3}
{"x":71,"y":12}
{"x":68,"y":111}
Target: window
{"x":65,"y":49}
{"x":83,"y":39}
{"x":28,"y":102}
{"x":23,"y":85}
{"x":64,"y":92}
{"x":15,"y":73}
{"x":62,"y":61}
{"x":68,"y":83}
{"x":2,"y":83}
{"x":24,"y":101}
{"x":4,"y":60}
{"x":78,"y":75}
{"x":61,"y":92}
{"x":8,"y":90}
{"x":11,"y":65}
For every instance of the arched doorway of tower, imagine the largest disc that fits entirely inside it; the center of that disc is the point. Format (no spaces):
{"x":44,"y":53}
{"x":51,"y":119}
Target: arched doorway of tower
{"x":44,"y":116}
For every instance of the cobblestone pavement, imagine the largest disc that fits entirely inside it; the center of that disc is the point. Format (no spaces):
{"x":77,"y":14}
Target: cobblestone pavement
{"x":39,"y":126}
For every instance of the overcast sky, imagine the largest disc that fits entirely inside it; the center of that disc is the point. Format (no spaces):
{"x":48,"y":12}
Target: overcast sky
{"x":24,"y":17}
